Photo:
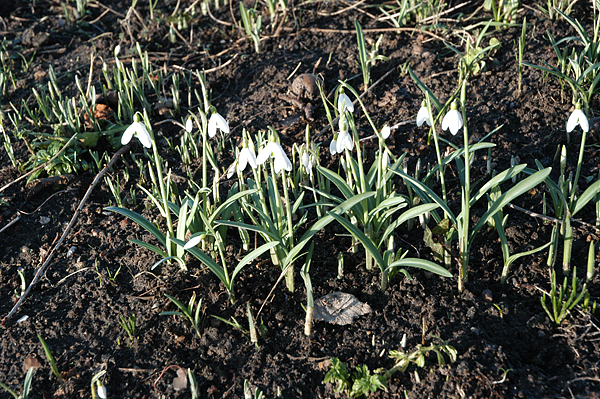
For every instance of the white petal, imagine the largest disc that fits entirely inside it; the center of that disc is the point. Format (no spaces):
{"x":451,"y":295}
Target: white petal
{"x":117,"y":49}
{"x":192,"y":242}
{"x":584,"y":123}
{"x":231,"y":170}
{"x":344,"y":141}
{"x":385,"y":158}
{"x":305,"y":159}
{"x":142,"y":134}
{"x":126,"y":138}
{"x":423,"y":116}
{"x":246,"y":157}
{"x":102,"y":392}
{"x":281,"y":160}
{"x":217,"y":121}
{"x":453,"y":121}
{"x":578,"y":118}
{"x":265,"y":153}
{"x":333,"y":147}
{"x":242,"y":162}
{"x":344,"y":103}
{"x":212,"y":126}
{"x":385,"y":132}
{"x":189,"y":125}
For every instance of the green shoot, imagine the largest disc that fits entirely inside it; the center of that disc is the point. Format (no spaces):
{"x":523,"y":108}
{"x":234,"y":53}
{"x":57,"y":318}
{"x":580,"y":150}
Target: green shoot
{"x":50,"y":358}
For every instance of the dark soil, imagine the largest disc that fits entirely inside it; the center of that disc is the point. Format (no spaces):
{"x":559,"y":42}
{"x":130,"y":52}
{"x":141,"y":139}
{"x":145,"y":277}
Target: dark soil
{"x":496,"y":329}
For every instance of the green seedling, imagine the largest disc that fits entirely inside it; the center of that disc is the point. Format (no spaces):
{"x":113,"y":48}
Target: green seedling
{"x":519,"y":55}
{"x":26,"y":386}
{"x":248,"y":392}
{"x":338,"y":375}
{"x":361,"y":383}
{"x":252,"y":24}
{"x":564,"y":299}
{"x":577,"y":68}
{"x":417,"y":357}
{"x":50,"y":358}
{"x":503,"y":11}
{"x":129,"y":327}
{"x":191,"y":312}
{"x":553,"y":7}
{"x":366,"y":58}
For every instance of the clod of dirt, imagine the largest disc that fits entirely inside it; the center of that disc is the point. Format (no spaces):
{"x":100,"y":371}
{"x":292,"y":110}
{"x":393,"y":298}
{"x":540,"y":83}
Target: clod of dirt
{"x":30,"y":38}
{"x":31,"y":362}
{"x":339,"y":308}
{"x":303,"y":89}
{"x":306,"y":86}
{"x":180,"y":382}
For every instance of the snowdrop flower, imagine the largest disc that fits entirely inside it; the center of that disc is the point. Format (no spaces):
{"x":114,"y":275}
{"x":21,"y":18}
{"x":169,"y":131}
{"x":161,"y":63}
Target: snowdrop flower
{"x":386,"y":157}
{"x":274,"y":150}
{"x":245,"y":157}
{"x":189,"y":125}
{"x":344,"y":103}
{"x":578,"y":118}
{"x":385,"y":132}
{"x":307,"y":162}
{"x":453,"y":120}
{"x":117,"y":51}
{"x":137,"y":129}
{"x":101,"y":390}
{"x":216,"y":121}
{"x":333,"y":145}
{"x":344,"y":139}
{"x":194,"y":240}
{"x":423,"y":115}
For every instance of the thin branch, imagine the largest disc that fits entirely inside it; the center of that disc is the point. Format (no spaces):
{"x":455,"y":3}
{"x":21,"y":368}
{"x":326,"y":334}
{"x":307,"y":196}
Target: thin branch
{"x":40,"y":271}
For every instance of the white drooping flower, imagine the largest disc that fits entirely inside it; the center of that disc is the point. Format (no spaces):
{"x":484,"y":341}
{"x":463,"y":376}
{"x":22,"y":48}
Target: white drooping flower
{"x":217,"y":121}
{"x":423,"y":115}
{"x":578,"y":118}
{"x":385,"y":132}
{"x":307,"y":162}
{"x":194,"y":240}
{"x":137,"y":129}
{"x":274,"y":150}
{"x":452,"y":120}
{"x":245,"y":157}
{"x":333,"y":144}
{"x":117,"y":51}
{"x":344,"y":103}
{"x":101,"y":391}
{"x":189,"y":125}
{"x":344,"y":139}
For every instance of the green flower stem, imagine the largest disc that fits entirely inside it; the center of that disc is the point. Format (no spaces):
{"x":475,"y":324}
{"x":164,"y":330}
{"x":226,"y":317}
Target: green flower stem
{"x":579,"y":161}
{"x":163,"y":191}
{"x":289,"y":277}
{"x":466,"y":191}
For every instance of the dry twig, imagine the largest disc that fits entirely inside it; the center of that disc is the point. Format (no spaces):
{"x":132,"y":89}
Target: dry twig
{"x":40,"y":271}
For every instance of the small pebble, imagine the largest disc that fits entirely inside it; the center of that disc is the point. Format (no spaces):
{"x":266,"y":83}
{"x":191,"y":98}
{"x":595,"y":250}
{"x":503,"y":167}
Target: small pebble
{"x":25,"y":249}
{"x":471,"y":312}
{"x":44,"y":220}
{"x":71,"y":252}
